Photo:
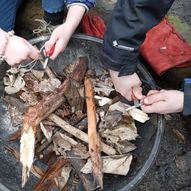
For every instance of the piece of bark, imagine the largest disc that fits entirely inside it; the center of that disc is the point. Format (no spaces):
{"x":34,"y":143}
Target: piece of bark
{"x":87,"y":179}
{"x":73,"y":95}
{"x":79,"y":72}
{"x":79,"y":134}
{"x":36,"y":114}
{"x":93,"y":137}
{"x":74,"y":99}
{"x":47,"y":181}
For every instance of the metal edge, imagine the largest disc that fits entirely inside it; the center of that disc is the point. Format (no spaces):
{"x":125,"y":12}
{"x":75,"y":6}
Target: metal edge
{"x":3,"y":188}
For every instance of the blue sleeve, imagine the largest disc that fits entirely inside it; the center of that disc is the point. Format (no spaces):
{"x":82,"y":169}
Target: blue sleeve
{"x":88,"y":3}
{"x":187,"y":97}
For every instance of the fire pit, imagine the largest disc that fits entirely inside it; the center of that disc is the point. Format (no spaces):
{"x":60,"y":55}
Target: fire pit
{"x":150,"y":132}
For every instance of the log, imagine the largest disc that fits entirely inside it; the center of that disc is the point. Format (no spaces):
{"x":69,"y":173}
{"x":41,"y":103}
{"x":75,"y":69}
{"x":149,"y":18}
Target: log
{"x":93,"y":137}
{"x":79,"y":134}
{"x":34,"y":115}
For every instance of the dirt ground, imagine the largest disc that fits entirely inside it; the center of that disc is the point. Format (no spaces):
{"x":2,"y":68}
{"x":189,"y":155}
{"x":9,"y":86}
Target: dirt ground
{"x":172,"y":168}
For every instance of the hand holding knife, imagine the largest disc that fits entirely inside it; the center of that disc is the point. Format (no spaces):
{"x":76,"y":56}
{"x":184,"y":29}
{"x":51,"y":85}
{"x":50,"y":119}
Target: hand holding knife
{"x":136,"y":102}
{"x":47,"y":56}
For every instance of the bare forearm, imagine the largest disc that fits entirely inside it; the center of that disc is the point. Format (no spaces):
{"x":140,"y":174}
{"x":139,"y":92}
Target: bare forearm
{"x":74,"y":16}
{"x":2,"y":39}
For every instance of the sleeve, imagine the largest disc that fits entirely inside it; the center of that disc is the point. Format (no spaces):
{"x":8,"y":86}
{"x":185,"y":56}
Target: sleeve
{"x":187,"y":97}
{"x":130,"y":21}
{"x":87,"y":4}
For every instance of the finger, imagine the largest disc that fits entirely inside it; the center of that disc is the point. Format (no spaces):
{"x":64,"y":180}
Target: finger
{"x":49,"y":44}
{"x":137,"y":92}
{"x":59,"y":47}
{"x":154,"y":108}
{"x":34,"y":53}
{"x":128,"y":95}
{"x":152,"y":92}
{"x":153,"y":98}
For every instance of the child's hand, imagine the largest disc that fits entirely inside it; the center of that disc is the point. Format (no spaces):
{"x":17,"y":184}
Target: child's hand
{"x":163,"y":102}
{"x":59,"y":38}
{"x":62,"y":34}
{"x":19,"y":50}
{"x":128,"y":86}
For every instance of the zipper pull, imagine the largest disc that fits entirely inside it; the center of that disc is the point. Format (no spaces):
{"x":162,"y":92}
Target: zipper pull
{"x":122,"y":47}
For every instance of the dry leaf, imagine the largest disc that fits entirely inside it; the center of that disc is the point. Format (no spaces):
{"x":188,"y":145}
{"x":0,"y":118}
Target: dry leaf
{"x":38,"y":74}
{"x":119,"y":166}
{"x":47,"y":85}
{"x":63,"y":143}
{"x":102,"y":100}
{"x":16,"y":116}
{"x":121,"y":133}
{"x":110,"y":120}
{"x":102,"y":89}
{"x":139,"y":115}
{"x":124,"y":147}
{"x":29,"y":98}
{"x":13,"y":84}
{"x":63,"y":179}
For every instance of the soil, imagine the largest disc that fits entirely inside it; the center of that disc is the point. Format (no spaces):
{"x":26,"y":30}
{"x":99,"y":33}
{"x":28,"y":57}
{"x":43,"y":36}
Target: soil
{"x":172,"y":168}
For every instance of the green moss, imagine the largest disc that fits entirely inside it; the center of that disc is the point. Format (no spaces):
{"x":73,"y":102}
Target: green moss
{"x":183,"y":28}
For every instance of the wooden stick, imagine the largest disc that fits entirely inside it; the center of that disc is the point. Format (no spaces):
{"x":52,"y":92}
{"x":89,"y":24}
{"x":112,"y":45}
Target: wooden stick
{"x":47,"y":180}
{"x":93,"y":137}
{"x":79,"y":134}
{"x":39,"y":112}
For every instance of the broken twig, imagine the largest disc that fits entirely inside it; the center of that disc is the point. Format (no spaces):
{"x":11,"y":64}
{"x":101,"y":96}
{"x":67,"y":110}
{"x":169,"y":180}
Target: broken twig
{"x":79,"y":134}
{"x":93,"y":137}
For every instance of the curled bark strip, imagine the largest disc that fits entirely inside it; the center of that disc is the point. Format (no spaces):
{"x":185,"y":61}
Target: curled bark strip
{"x":93,"y":137}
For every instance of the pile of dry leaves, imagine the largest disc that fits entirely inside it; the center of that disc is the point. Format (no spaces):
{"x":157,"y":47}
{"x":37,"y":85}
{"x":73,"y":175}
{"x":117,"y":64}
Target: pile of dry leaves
{"x":76,"y":125}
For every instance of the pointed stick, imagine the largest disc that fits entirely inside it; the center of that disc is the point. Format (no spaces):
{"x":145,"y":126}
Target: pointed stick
{"x":93,"y":137}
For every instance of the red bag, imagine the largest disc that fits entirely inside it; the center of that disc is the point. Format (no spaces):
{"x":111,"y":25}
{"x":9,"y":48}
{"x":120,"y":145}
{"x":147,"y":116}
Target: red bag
{"x":164,"y":48}
{"x":93,"y":25}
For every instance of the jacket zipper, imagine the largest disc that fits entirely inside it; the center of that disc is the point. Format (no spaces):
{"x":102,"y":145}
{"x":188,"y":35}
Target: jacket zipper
{"x":122,"y":47}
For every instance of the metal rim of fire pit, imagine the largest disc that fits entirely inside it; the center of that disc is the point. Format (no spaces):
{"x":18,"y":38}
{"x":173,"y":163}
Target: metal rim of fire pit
{"x":160,"y":123}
